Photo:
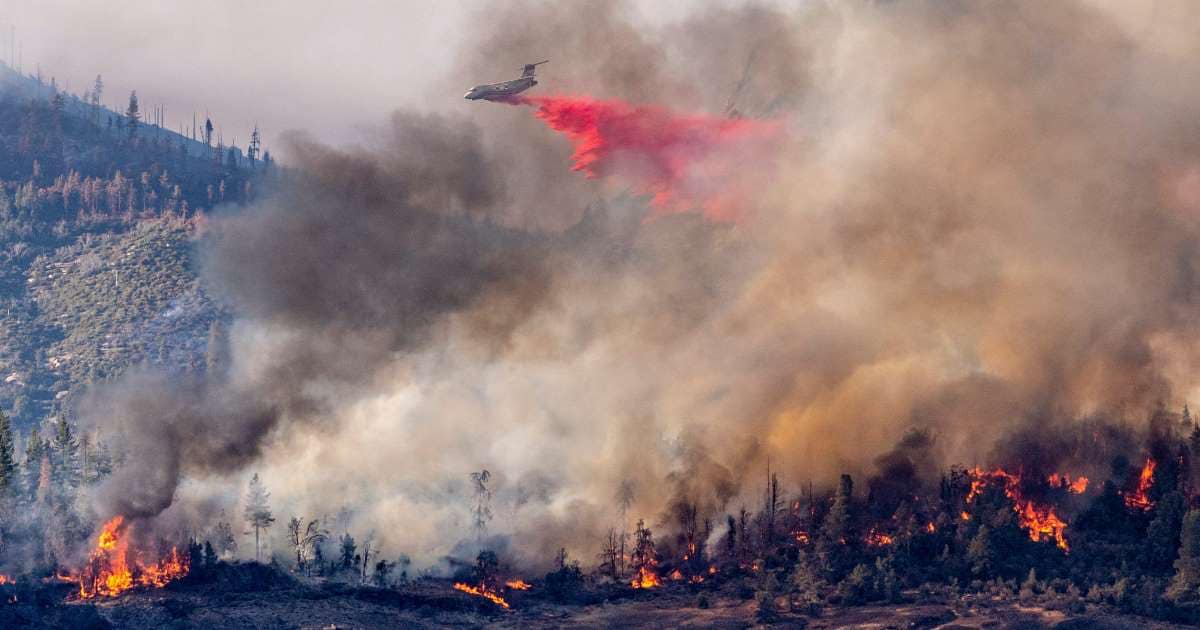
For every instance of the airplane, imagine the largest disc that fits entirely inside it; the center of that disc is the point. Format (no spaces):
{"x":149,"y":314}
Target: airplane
{"x":505,"y":89}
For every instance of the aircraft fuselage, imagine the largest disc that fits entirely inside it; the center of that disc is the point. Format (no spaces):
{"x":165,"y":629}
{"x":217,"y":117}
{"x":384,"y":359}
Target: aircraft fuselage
{"x":500,"y":91}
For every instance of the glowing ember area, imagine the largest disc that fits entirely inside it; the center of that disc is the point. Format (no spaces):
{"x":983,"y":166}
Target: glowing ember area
{"x":1040,"y":521}
{"x":114,"y":568}
{"x":1079,"y":486}
{"x":803,"y":538}
{"x":931,"y":528}
{"x":518,"y":585}
{"x":878,"y":539}
{"x":684,"y":161}
{"x":645,"y":578}
{"x":1140,"y":499}
{"x":676,"y":575}
{"x":482,"y":591}
{"x":4,"y":579}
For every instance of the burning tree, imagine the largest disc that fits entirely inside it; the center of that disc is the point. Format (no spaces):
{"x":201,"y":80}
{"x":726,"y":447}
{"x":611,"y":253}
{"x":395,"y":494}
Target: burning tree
{"x":258,"y":512}
{"x":644,"y":560}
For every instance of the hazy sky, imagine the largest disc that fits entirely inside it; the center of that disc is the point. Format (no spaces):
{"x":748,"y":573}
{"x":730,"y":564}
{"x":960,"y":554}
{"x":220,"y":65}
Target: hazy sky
{"x":331,"y":68}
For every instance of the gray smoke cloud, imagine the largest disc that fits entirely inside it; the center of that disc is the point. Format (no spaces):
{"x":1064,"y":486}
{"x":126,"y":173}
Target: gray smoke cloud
{"x":982,"y":213}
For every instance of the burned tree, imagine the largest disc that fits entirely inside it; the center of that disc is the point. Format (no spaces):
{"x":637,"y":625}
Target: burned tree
{"x":482,"y":510}
{"x":610,"y":556}
{"x":304,"y":539}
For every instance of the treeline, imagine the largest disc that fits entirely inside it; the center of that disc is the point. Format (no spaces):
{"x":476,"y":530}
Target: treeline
{"x":44,"y":512}
{"x":1132,"y":542}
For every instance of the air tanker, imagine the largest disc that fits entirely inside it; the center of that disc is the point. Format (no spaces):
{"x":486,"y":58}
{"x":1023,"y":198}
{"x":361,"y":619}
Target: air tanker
{"x":505,"y":89}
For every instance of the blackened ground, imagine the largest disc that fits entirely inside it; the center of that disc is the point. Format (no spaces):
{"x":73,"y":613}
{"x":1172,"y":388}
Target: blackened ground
{"x":255,"y":596}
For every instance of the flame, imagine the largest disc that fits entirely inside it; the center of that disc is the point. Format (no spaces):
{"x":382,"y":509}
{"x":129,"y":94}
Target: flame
{"x":4,"y":579}
{"x":114,"y":568}
{"x":1079,"y":486}
{"x":931,"y":528}
{"x":966,"y":516}
{"x":482,"y":591}
{"x":878,"y":539}
{"x":1139,"y":499}
{"x":518,"y":585}
{"x":645,"y":578}
{"x":1040,"y":521}
{"x":802,"y":537}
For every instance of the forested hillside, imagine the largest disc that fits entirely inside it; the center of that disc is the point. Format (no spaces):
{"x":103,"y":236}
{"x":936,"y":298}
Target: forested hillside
{"x":98,"y":212}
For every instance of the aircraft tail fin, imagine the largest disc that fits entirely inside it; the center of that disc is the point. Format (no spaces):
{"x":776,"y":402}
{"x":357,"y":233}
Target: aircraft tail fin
{"x":530,"y":68}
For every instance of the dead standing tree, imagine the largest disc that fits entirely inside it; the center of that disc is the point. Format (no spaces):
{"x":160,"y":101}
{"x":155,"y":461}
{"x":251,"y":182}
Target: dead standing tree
{"x":305,"y":539}
{"x":482,"y":510}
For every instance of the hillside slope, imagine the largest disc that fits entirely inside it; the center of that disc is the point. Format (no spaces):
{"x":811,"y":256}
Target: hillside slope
{"x":98,"y":216}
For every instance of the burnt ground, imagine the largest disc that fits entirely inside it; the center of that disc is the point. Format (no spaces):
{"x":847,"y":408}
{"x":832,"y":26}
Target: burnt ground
{"x":255,"y":596}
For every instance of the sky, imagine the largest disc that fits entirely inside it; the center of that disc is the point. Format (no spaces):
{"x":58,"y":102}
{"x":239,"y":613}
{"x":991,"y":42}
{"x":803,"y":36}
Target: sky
{"x":334,"y":69}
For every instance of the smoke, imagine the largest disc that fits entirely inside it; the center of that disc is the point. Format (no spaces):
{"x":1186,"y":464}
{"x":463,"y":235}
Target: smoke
{"x":970,"y":219}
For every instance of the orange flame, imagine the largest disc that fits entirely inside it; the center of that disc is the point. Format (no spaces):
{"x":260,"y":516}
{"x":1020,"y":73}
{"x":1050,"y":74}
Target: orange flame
{"x":482,"y":591}
{"x":1079,"y":486}
{"x":878,"y":539}
{"x":1140,"y":499}
{"x":931,"y":528}
{"x":518,"y":585}
{"x":1040,"y":521}
{"x":4,"y":579}
{"x":645,"y":578}
{"x":114,"y":568}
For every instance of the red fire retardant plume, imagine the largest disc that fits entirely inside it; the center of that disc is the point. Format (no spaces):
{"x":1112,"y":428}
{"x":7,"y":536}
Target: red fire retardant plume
{"x":685,"y":162}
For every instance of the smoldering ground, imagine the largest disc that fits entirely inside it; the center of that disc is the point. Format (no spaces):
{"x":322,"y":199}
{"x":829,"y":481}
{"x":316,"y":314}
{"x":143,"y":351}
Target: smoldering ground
{"x":980,"y":214}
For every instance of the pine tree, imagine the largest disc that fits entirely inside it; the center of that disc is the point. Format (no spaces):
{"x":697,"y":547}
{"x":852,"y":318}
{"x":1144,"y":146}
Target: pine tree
{"x":348,"y":548}
{"x":643,"y":557}
{"x":132,"y":115}
{"x":226,"y":541}
{"x":255,"y":146}
{"x":980,"y":552}
{"x":835,"y":529}
{"x":8,"y":461}
{"x":806,"y":585}
{"x":1186,"y":584}
{"x":257,"y":512}
{"x":66,"y":457}
{"x":210,"y":554}
{"x":97,"y":92}
{"x":34,"y":449}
